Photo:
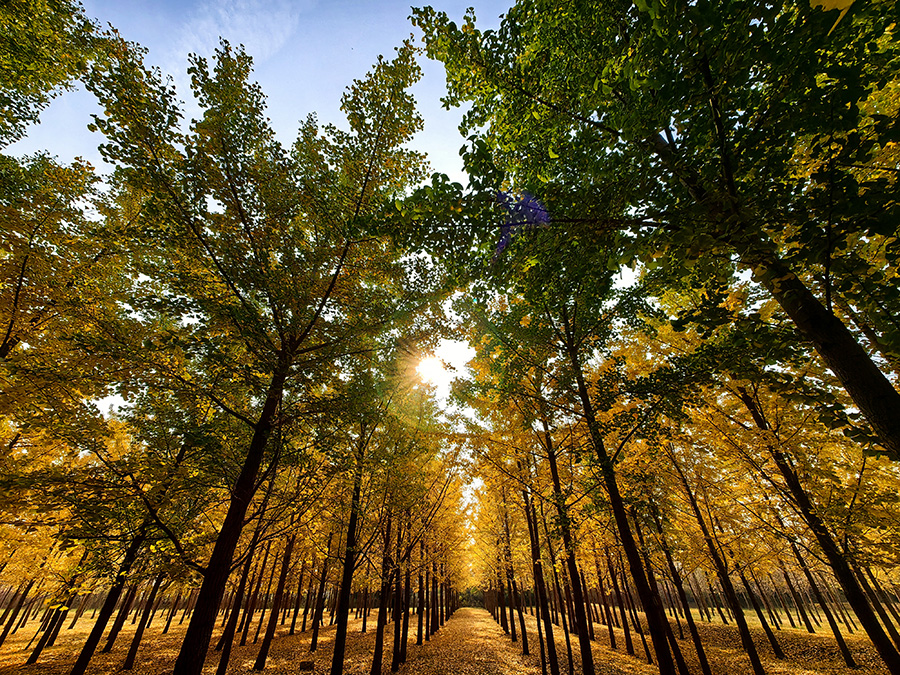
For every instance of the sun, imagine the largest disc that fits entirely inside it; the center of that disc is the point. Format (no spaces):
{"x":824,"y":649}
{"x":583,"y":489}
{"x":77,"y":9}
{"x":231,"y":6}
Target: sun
{"x":431,"y":369}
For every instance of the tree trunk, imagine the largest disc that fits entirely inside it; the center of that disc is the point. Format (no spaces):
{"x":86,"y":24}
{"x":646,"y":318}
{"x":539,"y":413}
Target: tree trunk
{"x":398,"y":603}
{"x":656,"y":617}
{"x":558,"y":592}
{"x":404,"y":639}
{"x":276,"y":605}
{"x":298,"y":599}
{"x":343,"y":607}
{"x":145,"y":617}
{"x":227,"y":639}
{"x":386,"y":566}
{"x":421,"y":611}
{"x":319,"y":607}
{"x":606,"y":611}
{"x":247,"y":619}
{"x":798,"y":601}
{"x":20,"y":601}
{"x":540,"y":588}
{"x":192,"y":655}
{"x":120,"y":619}
{"x":836,"y":560}
{"x":722,"y":571}
{"x":57,"y":617}
{"x":679,"y":588}
{"x":629,"y":646}
{"x":265,"y":603}
{"x":580,"y":620}
{"x":845,"y":651}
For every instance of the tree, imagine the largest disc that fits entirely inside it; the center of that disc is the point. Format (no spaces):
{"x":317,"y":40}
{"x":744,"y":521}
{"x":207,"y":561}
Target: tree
{"x":679,"y":140}
{"x":273,"y":255}
{"x":45,"y":45}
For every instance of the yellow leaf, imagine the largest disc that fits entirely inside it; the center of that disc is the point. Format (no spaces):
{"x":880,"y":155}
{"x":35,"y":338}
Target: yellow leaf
{"x":828,"y":5}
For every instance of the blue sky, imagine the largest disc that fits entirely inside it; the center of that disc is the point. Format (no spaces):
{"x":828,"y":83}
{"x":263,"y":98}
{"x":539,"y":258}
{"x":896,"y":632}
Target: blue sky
{"x":305,"y":52}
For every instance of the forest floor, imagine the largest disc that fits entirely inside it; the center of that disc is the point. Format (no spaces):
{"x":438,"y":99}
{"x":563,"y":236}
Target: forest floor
{"x":470,"y":643}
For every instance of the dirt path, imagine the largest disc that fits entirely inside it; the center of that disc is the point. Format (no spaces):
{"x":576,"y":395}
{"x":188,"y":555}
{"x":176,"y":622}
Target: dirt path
{"x":470,"y":644}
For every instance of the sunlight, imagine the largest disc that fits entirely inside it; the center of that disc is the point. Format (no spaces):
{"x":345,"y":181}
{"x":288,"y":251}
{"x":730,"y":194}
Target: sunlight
{"x":431,"y":370}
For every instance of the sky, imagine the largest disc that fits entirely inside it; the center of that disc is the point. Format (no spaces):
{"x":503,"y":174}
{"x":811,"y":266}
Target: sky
{"x":305,"y":53}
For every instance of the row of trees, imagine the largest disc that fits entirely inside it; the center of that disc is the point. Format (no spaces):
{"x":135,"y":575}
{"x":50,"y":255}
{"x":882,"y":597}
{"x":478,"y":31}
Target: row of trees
{"x":721,"y":518}
{"x":275,"y":447}
{"x":735,"y":404}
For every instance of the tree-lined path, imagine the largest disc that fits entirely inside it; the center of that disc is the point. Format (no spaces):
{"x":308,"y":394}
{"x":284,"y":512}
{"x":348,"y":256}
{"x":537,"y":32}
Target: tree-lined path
{"x":675,"y":261}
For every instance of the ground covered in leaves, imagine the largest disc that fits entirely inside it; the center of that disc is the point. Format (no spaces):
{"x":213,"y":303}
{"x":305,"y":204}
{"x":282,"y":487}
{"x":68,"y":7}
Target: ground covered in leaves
{"x":470,"y":643}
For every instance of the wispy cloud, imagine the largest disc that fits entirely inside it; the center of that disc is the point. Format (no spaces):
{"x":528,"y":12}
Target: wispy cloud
{"x":262,"y":26}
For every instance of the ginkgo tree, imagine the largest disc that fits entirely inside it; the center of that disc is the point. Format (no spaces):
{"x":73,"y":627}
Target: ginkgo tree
{"x":258,"y":266}
{"x":684,"y":130}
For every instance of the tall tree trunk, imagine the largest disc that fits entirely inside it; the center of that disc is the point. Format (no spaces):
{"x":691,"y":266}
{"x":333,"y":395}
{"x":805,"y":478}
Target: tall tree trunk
{"x":172,"y":612}
{"x":679,"y":587}
{"x":421,"y":610}
{"x":398,"y":602}
{"x":145,"y":617}
{"x":722,"y":571}
{"x":606,"y":611}
{"x":20,"y":601}
{"x":386,"y":567}
{"x":845,"y":651}
{"x":193,"y":651}
{"x":247,"y":619}
{"x":319,"y":607}
{"x":404,"y":639}
{"x":558,"y":591}
{"x":299,"y":598}
{"x":782,"y":601}
{"x":629,"y":646}
{"x":435,"y":601}
{"x":227,"y":639}
{"x":540,"y":587}
{"x":653,"y":610}
{"x":109,"y":604}
{"x":343,"y":606}
{"x":276,"y":604}
{"x":57,"y":616}
{"x":265,"y":603}
{"x":798,"y":601}
{"x":584,"y":639}
{"x":120,"y":619}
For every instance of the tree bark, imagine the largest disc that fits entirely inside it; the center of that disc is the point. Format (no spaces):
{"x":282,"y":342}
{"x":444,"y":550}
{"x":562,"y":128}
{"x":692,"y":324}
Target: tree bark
{"x":145,"y":617}
{"x":276,"y":605}
{"x":193,"y":651}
